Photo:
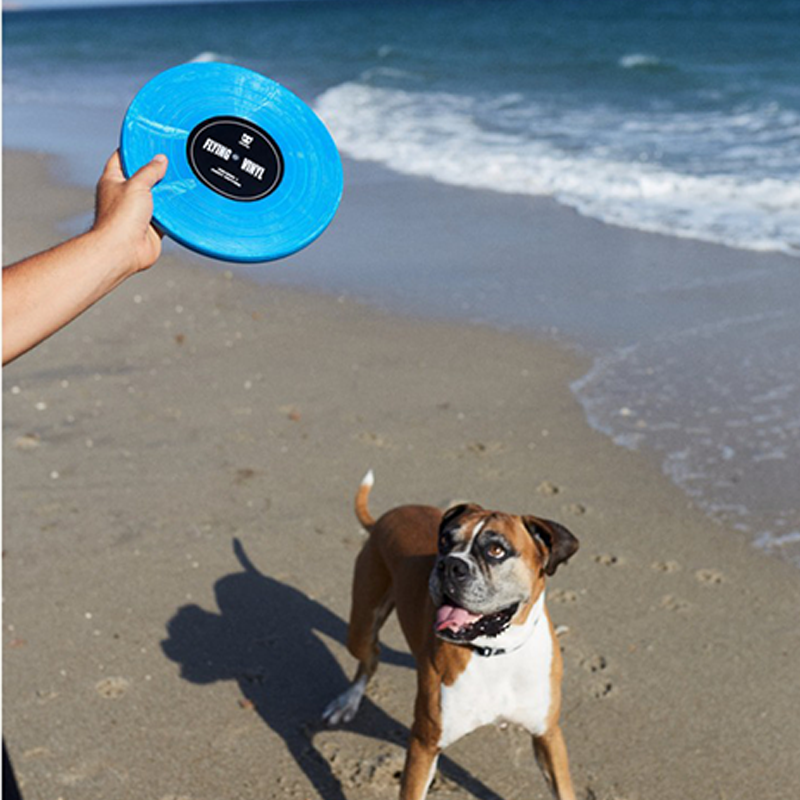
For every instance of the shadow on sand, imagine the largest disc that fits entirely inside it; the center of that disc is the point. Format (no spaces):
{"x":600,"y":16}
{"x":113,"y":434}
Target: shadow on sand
{"x":266,"y":638}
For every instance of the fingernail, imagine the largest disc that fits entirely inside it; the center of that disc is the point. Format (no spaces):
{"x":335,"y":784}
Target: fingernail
{"x":161,"y":158}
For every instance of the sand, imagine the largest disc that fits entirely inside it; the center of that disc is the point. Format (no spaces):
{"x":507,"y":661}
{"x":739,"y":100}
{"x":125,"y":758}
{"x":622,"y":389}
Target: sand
{"x":178,"y":540}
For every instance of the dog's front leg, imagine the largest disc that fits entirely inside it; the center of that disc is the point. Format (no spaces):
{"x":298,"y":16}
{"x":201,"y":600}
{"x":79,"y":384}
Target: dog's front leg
{"x":420,"y":767}
{"x":551,"y":754}
{"x":424,"y":744}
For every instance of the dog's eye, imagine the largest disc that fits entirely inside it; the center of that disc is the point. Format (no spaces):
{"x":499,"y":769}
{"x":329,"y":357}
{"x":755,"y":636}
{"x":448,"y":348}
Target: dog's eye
{"x":496,"y":551}
{"x":444,"y":542}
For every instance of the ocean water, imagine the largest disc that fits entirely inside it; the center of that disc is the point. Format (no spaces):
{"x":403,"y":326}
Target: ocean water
{"x":680,"y":117}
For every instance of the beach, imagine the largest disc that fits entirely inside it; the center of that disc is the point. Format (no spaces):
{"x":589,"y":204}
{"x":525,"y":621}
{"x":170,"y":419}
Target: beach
{"x":179,"y":468}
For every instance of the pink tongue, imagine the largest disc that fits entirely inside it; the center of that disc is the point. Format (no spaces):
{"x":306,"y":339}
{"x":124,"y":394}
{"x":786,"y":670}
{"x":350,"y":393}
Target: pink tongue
{"x":454,"y":618}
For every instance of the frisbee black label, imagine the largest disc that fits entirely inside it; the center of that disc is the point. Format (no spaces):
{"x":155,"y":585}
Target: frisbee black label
{"x":235,"y":158}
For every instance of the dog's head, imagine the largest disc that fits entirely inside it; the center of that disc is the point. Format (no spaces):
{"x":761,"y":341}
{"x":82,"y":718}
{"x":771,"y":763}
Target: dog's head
{"x":491,"y":569}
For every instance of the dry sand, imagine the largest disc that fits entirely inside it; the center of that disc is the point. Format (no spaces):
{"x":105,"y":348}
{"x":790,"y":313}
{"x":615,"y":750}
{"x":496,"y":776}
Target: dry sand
{"x":179,"y":470}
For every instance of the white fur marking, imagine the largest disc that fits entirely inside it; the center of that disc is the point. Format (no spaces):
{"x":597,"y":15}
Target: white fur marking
{"x":368,"y":479}
{"x":466,"y":546}
{"x":345,"y":706}
{"x":514,"y":687}
{"x":476,"y":530}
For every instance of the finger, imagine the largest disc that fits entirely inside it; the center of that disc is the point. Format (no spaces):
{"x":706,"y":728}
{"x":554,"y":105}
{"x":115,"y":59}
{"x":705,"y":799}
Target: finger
{"x":150,"y":174}
{"x":113,"y":168}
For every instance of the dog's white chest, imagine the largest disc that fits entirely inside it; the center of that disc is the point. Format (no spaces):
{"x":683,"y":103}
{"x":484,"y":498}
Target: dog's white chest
{"x":514,"y":687}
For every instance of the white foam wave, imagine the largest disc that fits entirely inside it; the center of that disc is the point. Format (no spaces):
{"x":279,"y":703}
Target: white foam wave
{"x":209,"y":56}
{"x":769,"y":541}
{"x":436,"y":135}
{"x":639,"y":61}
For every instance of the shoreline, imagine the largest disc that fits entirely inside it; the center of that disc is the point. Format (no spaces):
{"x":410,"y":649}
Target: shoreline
{"x":674,"y":327}
{"x":147,"y":654}
{"x":693,"y":344}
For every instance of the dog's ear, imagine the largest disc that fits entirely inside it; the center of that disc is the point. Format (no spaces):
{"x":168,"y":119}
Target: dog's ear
{"x":559,"y":543}
{"x":454,"y":512}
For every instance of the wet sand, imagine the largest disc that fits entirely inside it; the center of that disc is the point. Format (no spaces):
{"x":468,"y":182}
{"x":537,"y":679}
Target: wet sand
{"x":178,"y":541}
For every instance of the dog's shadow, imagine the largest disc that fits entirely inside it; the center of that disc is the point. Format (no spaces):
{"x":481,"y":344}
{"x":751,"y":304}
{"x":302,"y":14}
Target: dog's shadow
{"x":266,"y":638}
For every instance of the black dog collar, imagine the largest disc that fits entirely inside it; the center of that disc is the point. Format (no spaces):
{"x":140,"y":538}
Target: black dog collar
{"x":486,"y":652}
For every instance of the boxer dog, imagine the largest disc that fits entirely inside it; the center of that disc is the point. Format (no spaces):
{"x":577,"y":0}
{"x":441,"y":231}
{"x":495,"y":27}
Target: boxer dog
{"x":469,"y":589}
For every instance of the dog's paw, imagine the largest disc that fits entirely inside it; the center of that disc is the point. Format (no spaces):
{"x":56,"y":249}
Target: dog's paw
{"x":340,"y":710}
{"x":344,"y":708}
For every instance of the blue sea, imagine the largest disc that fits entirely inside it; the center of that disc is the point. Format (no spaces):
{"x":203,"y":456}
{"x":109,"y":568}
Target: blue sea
{"x":679,"y":118}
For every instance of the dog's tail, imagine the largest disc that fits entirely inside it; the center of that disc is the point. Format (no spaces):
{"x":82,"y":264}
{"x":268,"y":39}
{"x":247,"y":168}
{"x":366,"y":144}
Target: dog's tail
{"x":362,"y":497}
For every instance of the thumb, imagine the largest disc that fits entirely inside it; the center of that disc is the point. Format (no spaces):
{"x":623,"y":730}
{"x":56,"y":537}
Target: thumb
{"x":150,"y":174}
{"x":113,"y":169}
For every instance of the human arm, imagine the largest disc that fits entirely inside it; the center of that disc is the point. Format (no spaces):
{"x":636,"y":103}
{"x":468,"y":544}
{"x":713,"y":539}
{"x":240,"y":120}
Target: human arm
{"x":43,"y":293}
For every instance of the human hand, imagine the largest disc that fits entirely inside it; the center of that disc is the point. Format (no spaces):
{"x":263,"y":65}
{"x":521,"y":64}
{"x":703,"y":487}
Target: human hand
{"x":124,"y":211}
{"x":45,"y":291}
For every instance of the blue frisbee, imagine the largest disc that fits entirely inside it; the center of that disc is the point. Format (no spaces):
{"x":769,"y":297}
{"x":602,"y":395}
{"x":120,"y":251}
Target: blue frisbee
{"x":253,"y":173}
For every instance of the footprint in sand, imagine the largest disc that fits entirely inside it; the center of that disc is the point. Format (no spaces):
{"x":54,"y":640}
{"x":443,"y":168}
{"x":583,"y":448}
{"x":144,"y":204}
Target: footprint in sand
{"x":710,"y":577}
{"x":608,"y":560}
{"x":382,"y":770}
{"x":596,"y":663}
{"x":548,"y":488}
{"x":666,"y":566}
{"x":30,"y":441}
{"x":671,"y":603}
{"x":484,"y":448}
{"x":374,"y":439}
{"x":601,"y":686}
{"x":563,"y":596}
{"x":112,"y":688}
{"x":602,"y":689}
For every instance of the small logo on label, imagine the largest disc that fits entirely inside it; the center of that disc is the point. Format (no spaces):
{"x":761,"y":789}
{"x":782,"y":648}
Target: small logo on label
{"x":246,"y":140}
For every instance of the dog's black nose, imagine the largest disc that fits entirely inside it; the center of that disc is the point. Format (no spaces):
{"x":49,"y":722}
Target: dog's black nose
{"x":456,"y":569}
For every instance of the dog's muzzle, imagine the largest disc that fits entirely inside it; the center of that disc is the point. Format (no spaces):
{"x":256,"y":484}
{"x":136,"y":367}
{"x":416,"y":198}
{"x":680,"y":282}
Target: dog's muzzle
{"x":454,"y":572}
